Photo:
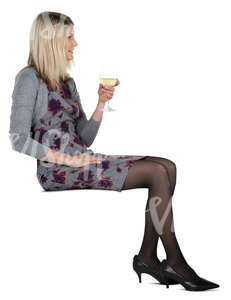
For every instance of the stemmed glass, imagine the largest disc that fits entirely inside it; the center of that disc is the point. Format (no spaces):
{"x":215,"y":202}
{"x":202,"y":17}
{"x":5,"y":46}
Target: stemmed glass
{"x":108,"y":77}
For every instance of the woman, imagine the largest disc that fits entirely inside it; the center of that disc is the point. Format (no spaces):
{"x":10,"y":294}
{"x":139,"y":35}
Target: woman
{"x":49,"y":124}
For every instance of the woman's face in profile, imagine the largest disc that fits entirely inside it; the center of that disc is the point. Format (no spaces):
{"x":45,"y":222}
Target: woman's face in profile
{"x":70,"y":43}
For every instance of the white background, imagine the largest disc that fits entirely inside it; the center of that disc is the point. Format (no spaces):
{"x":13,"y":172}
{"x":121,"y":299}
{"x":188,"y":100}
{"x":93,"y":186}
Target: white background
{"x":174,"y":65}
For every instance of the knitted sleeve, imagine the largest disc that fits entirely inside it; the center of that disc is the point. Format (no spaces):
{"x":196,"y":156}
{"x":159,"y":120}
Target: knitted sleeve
{"x":87,"y":129}
{"x":23,"y":102}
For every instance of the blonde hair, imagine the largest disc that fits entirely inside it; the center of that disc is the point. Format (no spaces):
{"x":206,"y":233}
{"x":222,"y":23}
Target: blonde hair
{"x":48,"y":35}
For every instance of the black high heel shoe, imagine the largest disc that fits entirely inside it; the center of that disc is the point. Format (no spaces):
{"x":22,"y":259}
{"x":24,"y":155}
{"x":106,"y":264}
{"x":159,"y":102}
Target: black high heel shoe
{"x":199,"y":284}
{"x":140,"y":267}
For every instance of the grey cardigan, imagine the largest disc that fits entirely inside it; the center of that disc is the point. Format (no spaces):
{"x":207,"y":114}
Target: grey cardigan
{"x":29,"y":98}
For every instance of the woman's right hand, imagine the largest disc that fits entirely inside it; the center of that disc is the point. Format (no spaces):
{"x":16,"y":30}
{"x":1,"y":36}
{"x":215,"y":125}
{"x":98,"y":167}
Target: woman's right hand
{"x":83,"y":159}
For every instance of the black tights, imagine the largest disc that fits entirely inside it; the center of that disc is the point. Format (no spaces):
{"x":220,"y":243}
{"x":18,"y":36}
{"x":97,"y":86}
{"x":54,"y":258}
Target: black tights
{"x":159,"y":176}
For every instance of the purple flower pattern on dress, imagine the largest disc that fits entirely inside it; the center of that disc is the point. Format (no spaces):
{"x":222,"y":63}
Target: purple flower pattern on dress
{"x":105,"y":165}
{"x":119,"y":170}
{"x":54,"y":106}
{"x":59,"y":176}
{"x":78,"y":141}
{"x":43,"y":178}
{"x":65,"y":126}
{"x":41,"y":133}
{"x":57,"y":143}
{"x":129,"y":162}
{"x":66,"y":92}
{"x":105,"y":182}
{"x":81,"y":179}
{"x":62,"y":114}
{"x":75,"y":109}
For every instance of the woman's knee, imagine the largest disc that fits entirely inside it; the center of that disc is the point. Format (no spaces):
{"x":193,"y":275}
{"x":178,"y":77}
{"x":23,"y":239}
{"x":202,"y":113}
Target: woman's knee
{"x":169,"y":164}
{"x":158,"y":174}
{"x":173,"y":173}
{"x":172,"y":166}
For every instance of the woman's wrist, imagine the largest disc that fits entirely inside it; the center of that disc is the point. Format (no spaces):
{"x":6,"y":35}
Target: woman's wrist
{"x":100,"y":105}
{"x":98,"y":113}
{"x":62,"y":158}
{"x":58,"y":157}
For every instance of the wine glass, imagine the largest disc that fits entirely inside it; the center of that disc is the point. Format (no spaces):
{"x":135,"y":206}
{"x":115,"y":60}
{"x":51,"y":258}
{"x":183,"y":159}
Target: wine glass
{"x":108,"y":77}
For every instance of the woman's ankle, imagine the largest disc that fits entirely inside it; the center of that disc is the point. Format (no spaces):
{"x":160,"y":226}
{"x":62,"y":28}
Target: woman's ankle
{"x":149,"y":259}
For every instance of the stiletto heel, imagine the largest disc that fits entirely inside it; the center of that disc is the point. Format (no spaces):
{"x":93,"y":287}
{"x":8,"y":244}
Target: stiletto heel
{"x":199,"y":284}
{"x":139,"y":275}
{"x":140,"y":267}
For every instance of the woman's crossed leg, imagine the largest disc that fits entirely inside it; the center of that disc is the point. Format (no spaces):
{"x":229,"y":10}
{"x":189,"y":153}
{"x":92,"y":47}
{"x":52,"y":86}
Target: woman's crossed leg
{"x":159,"y":176}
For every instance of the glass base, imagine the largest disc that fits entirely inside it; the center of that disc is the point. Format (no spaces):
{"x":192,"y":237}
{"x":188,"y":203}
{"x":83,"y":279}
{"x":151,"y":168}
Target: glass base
{"x":109,"y":109}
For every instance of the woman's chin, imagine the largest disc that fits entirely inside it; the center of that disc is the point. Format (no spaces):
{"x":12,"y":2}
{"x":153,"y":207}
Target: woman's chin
{"x":70,"y":57}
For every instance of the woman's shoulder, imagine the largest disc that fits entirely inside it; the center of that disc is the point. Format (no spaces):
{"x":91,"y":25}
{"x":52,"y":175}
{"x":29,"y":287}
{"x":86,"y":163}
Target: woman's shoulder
{"x":27,"y":74}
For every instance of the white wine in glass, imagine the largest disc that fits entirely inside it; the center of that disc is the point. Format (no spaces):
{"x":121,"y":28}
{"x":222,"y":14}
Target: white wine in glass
{"x":108,"y":78}
{"x":110,"y":82}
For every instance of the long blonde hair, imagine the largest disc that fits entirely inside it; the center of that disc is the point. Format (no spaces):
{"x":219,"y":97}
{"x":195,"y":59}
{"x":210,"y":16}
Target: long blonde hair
{"x":47,"y":48}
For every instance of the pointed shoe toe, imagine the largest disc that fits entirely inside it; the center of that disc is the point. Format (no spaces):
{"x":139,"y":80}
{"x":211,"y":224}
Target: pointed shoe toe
{"x":199,"y":284}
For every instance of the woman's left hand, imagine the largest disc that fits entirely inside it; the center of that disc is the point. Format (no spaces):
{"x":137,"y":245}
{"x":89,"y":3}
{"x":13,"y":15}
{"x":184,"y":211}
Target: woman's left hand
{"x":106,"y":93}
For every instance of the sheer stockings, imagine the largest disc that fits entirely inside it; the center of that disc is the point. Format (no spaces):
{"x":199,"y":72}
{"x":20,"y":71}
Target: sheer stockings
{"x":159,"y":176}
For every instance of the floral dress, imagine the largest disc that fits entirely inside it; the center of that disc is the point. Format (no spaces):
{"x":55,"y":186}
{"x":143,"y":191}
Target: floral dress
{"x":58,"y":126}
